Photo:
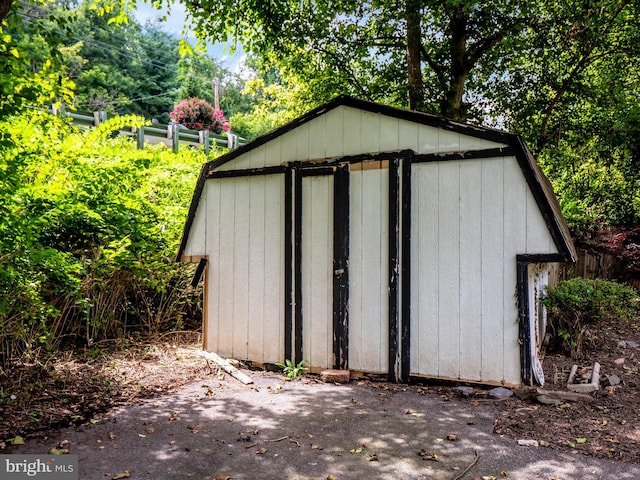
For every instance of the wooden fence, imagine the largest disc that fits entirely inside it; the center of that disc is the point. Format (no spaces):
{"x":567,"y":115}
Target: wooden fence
{"x":597,"y":265}
{"x":172,"y":135}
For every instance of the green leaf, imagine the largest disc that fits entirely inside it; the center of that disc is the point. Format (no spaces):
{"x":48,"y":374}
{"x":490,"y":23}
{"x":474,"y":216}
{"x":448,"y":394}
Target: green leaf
{"x":17,"y":440}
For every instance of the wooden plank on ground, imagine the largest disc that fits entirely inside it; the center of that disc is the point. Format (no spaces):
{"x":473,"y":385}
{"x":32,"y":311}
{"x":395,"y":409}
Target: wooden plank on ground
{"x":226,"y":366}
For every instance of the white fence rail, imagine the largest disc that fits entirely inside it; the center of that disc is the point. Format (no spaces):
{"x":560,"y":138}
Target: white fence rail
{"x":172,"y":135}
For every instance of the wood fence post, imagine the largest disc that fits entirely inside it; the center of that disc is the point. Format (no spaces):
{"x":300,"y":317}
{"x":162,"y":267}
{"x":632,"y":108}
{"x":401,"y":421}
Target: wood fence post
{"x":175,"y":137}
{"x":205,"y":140}
{"x":140,"y":134}
{"x":99,"y":117}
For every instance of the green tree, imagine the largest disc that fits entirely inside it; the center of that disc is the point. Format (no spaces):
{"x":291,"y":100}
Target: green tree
{"x":427,"y":55}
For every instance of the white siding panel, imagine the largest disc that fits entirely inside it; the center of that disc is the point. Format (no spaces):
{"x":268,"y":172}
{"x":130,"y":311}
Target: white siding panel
{"x":317,"y":271}
{"x":334,"y":121}
{"x":274,"y":269}
{"x":318,"y":138}
{"x":241,"y":249}
{"x":368,"y":271}
{"x":470,"y":270}
{"x":370,"y":133}
{"x":353,"y":126}
{"x":273,"y":152}
{"x":407,"y":135}
{"x":388,"y":134}
{"x":196,"y":244}
{"x":245,"y":319}
{"x":259,"y":157}
{"x":302,"y":142}
{"x":226,"y":243}
{"x":427,"y":140}
{"x":539,"y":239}
{"x":425,"y":285}
{"x":289,"y":143}
{"x":257,"y":272}
{"x":493,"y":290}
{"x":212,"y":212}
{"x":448,"y":141}
{"x":449,"y":268}
{"x":515,"y":242}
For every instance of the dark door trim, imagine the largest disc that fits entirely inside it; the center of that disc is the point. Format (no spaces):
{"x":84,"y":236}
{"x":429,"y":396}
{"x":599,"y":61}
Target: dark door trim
{"x":341,"y":267}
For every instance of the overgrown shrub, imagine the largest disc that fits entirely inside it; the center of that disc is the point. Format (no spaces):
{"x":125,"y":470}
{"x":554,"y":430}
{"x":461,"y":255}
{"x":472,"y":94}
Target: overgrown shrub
{"x":89,"y":227}
{"x":199,"y":114}
{"x":576,"y":304}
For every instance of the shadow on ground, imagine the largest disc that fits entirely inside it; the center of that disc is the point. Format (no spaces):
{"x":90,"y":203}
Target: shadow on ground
{"x":218,"y":428}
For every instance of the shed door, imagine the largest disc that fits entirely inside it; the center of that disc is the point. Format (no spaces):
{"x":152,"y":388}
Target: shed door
{"x":322,"y":226}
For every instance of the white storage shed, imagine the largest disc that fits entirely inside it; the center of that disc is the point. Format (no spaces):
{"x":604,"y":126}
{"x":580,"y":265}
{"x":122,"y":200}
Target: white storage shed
{"x":380,"y":240}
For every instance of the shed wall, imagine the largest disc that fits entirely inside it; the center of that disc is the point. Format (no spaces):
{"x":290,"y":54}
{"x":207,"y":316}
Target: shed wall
{"x":244,"y":243}
{"x":368,"y":268}
{"x":349,"y":131}
{"x":470,"y":219}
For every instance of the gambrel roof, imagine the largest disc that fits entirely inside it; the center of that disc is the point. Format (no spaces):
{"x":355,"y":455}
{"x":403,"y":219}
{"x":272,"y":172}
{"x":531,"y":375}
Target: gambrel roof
{"x":315,"y":150}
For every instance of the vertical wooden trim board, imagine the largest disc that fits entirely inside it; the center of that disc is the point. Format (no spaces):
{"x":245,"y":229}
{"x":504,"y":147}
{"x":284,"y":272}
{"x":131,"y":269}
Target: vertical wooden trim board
{"x":341,"y":267}
{"x":523,"y":316}
{"x":297,"y":211}
{"x":405,"y":348}
{"x":289,"y":293}
{"x":394,"y":269}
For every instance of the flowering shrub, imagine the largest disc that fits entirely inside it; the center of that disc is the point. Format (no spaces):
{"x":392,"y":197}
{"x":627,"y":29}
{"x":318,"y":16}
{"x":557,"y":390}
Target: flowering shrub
{"x":199,"y":114}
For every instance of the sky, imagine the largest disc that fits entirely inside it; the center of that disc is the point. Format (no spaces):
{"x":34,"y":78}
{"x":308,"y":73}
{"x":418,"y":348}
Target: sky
{"x":175,"y":25}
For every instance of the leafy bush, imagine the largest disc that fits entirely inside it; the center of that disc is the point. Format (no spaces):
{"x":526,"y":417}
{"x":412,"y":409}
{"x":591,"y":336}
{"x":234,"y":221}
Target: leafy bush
{"x":88,"y":234}
{"x":199,"y":114}
{"x":576,"y":303}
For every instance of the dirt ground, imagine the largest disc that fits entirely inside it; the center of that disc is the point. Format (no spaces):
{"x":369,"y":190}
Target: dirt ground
{"x":74,"y":390}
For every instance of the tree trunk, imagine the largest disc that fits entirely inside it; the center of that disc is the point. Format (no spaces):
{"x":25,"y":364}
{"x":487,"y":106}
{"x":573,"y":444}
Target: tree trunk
{"x":5,"y":6}
{"x":414,"y":47}
{"x":452,"y":105}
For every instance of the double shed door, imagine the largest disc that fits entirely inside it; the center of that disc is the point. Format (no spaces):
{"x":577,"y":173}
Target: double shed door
{"x":344,"y":291}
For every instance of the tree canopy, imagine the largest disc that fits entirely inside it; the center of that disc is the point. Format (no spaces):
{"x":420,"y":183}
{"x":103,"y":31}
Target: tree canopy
{"x":561,"y":74}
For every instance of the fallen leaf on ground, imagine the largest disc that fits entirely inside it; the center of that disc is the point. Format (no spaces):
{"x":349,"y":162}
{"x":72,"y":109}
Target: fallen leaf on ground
{"x":59,"y":451}
{"x":120,"y":475}
{"x":261,"y":451}
{"x":356,"y":450}
{"x":452,"y":437}
{"x":428,"y":456}
{"x":372,"y":457}
{"x":17,"y":440}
